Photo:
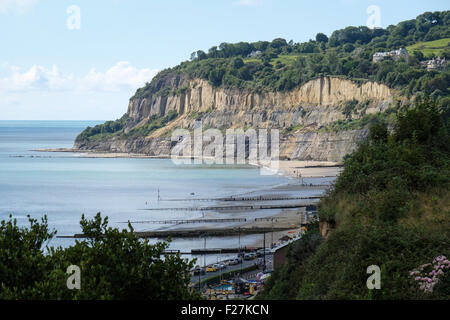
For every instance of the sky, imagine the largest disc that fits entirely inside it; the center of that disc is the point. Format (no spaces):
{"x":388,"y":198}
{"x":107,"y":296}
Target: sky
{"x":83,"y":60}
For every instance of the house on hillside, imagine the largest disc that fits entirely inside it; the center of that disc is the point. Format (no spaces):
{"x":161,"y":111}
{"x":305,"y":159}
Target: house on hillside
{"x":395,"y":54}
{"x":254,"y":54}
{"x":435,"y":64}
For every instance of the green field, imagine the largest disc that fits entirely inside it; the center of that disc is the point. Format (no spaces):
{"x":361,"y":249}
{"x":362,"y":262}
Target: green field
{"x":285,"y":59}
{"x":429,"y":48}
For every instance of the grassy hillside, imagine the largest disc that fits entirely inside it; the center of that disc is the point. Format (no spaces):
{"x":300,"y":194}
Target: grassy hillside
{"x":285,"y":59}
{"x":431,"y":48}
{"x":391,"y":208}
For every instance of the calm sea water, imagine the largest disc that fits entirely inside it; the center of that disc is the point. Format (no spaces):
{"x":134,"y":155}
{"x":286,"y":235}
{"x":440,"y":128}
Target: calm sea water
{"x":65,"y":185}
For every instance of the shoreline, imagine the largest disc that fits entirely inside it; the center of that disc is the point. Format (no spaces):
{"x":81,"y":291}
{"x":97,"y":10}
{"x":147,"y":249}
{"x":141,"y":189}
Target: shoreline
{"x":286,"y":223}
{"x":290,"y":168}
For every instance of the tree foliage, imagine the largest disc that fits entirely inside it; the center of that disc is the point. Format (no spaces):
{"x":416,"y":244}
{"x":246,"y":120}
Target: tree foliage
{"x":391,"y":209}
{"x":348,"y":52}
{"x":115,"y":265}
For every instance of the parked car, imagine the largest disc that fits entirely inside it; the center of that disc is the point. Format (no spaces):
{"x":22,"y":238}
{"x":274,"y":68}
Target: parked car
{"x":211,"y":269}
{"x":236,"y":261}
{"x":197,"y":270}
{"x":250,"y":256}
{"x":219,"y":266}
{"x":260,"y":252}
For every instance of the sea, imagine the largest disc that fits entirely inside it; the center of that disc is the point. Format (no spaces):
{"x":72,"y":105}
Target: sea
{"x":63,"y":186}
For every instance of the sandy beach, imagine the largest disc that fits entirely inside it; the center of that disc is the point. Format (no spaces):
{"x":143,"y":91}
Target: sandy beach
{"x":309,"y":169}
{"x":292,"y":168}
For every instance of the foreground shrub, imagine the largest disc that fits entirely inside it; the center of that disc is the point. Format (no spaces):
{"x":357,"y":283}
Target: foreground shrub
{"x":114,"y":264}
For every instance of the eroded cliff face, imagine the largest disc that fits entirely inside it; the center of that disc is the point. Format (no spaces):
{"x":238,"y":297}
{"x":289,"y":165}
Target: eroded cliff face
{"x":299,"y":114}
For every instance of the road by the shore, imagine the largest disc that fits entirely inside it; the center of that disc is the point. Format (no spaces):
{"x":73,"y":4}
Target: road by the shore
{"x":241,"y":266}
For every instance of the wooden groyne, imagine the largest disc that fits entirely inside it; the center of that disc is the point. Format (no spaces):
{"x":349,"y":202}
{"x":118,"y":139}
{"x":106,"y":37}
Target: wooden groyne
{"x":238,"y":208}
{"x":237,"y":199}
{"x":198,"y":233}
{"x":225,"y":232}
{"x":181,"y":221}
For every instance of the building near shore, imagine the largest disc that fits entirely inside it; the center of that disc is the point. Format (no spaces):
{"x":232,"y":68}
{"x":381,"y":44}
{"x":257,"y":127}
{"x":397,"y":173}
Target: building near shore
{"x":280,"y":251}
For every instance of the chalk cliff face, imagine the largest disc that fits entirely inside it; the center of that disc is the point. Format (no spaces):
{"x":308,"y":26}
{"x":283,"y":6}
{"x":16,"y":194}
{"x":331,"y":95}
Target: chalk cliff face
{"x":299,"y":114}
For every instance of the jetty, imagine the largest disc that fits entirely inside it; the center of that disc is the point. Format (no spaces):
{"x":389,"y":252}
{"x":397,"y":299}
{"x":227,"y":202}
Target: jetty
{"x":246,"y":199}
{"x":237,"y":208}
{"x":198,"y":233}
{"x":184,"y":221}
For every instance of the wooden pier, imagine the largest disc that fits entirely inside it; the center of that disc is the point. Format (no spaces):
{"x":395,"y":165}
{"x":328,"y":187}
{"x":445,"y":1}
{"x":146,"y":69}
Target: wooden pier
{"x":181,"y":221}
{"x":198,"y":233}
{"x":239,"y":208}
{"x":237,"y":199}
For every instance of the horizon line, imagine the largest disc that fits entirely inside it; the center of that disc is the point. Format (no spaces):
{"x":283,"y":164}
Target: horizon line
{"x":54,"y":120}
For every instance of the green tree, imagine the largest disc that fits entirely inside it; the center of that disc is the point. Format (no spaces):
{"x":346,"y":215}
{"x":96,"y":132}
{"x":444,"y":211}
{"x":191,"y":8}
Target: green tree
{"x":23,"y":266}
{"x":237,"y":63}
{"x":216,"y":76}
{"x":114,"y":265}
{"x":320,"y":37}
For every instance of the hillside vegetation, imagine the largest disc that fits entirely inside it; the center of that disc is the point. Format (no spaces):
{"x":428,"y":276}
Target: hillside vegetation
{"x":116,"y":264}
{"x":280,"y":65}
{"x":430,"y":49}
{"x":390,"y":208}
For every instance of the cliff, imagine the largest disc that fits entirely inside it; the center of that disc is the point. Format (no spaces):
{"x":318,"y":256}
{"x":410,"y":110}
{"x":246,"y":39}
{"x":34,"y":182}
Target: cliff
{"x":301,"y":114}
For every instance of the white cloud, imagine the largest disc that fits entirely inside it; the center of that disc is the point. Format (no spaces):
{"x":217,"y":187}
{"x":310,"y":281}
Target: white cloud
{"x":247,"y":3}
{"x":122,"y":76}
{"x":37,"y":77}
{"x":16,"y":6}
{"x":41,"y":92}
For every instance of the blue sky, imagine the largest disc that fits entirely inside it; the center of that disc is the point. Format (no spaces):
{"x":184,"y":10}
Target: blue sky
{"x":49,"y":71}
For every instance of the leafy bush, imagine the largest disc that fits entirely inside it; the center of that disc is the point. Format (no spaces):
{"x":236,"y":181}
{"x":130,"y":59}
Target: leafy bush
{"x":285,"y":281}
{"x":104,"y":130}
{"x":115,"y":265}
{"x":338,"y":268}
{"x":153,"y":124}
{"x":100,"y":131}
{"x":390,"y":206}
